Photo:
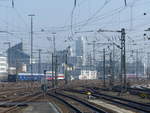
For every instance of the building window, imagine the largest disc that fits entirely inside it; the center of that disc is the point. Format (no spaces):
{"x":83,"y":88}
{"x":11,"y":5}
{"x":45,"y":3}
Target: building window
{"x":2,"y":68}
{"x":1,"y":64}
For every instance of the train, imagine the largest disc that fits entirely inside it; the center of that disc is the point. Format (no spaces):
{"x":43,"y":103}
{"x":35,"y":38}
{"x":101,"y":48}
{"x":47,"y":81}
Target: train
{"x":60,"y":76}
{"x":33,"y":77}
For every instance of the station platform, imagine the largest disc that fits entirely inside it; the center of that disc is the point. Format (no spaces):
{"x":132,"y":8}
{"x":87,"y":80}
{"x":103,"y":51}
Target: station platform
{"x":41,"y":107}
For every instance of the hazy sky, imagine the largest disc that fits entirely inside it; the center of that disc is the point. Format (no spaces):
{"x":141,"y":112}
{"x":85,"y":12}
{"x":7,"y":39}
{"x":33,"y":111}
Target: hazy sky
{"x":53,"y":15}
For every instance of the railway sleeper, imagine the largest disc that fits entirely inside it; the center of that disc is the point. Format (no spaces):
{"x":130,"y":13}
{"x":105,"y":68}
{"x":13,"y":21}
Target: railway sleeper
{"x":83,"y":102}
{"x":11,"y":104}
{"x":67,"y":103}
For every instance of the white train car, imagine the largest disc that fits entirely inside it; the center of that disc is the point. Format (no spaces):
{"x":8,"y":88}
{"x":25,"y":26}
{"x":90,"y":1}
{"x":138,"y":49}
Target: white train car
{"x":60,"y":76}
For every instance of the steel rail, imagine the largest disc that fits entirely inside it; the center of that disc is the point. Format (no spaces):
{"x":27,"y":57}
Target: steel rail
{"x":94,"y":108}
{"x":67,"y":103}
{"x":120,"y":101}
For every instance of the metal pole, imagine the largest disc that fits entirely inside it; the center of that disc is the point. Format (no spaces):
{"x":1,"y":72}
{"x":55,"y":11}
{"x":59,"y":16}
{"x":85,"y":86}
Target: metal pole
{"x":125,"y":76}
{"x":93,"y":52}
{"x":121,"y":71}
{"x":123,"y":59}
{"x":148,"y":66}
{"x":56,"y":71}
{"x":113,"y":64}
{"x":104,"y":82}
{"x":39,"y":64}
{"x":137,"y":64}
{"x":9,"y":59}
{"x":45,"y":83}
{"x":31,"y":15}
{"x":54,"y":43}
{"x":31,"y":45}
{"x":66,"y":74}
{"x":53,"y":70}
{"x":110,"y":68}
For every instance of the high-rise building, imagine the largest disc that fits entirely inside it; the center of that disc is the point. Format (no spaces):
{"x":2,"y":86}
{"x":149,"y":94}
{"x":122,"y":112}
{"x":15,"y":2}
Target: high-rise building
{"x":80,"y":48}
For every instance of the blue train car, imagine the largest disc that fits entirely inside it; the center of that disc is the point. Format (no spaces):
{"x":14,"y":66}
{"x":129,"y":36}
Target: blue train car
{"x":29,"y":77}
{"x":12,"y":78}
{"x":36,"y":77}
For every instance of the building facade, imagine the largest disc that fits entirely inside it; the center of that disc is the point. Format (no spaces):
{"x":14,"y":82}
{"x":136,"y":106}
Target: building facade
{"x":88,"y":75}
{"x":17,"y":57}
{"x":80,"y":49}
{"x":3,"y":68}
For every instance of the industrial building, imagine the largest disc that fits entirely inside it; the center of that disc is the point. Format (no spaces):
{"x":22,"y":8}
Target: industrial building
{"x":17,"y":57}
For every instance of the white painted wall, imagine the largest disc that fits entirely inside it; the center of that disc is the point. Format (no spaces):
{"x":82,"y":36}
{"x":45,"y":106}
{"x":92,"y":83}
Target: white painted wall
{"x":88,"y":75}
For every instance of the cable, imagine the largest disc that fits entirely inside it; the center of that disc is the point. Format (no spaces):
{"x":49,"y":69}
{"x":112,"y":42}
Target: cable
{"x":98,"y":11}
{"x":78,"y":24}
{"x":72,"y":13}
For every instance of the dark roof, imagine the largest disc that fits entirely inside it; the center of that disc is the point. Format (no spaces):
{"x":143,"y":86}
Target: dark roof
{"x":18,"y":50}
{"x":18,"y":46}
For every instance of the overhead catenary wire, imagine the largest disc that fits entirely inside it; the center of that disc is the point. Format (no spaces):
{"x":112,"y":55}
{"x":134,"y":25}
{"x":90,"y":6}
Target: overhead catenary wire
{"x":62,"y":27}
{"x":88,"y":23}
{"x":98,"y":11}
{"x":72,"y":13}
{"x":81,"y":25}
{"x":77,"y":25}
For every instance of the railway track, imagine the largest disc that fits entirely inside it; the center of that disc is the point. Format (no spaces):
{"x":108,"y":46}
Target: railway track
{"x":143,"y":93}
{"x":119,"y":101}
{"x":10,"y":95}
{"x":76,"y":104}
{"x":15,"y":104}
{"x":128,"y":103}
{"x":12,"y":91}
